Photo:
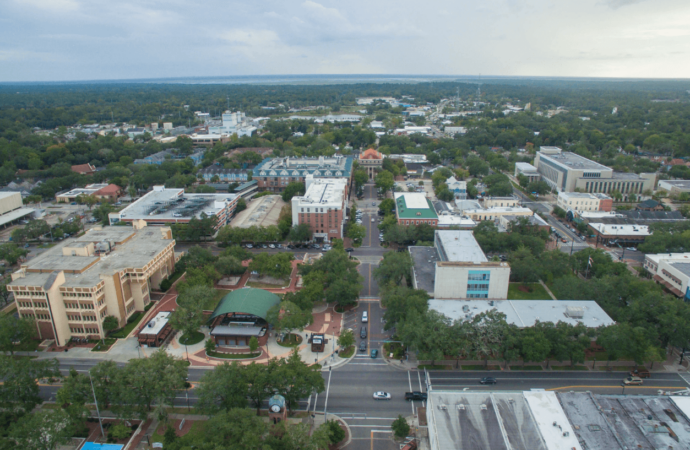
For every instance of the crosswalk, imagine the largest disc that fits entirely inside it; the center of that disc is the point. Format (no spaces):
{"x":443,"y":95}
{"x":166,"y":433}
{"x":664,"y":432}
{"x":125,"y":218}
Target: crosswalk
{"x":685,"y":377}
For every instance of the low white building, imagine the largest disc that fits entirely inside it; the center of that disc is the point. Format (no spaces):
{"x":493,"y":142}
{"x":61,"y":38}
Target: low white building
{"x":528,"y":170}
{"x":674,"y":186}
{"x":457,"y":187}
{"x":496,"y":212}
{"x":672,"y":270}
{"x":452,"y":131}
{"x":584,"y":201}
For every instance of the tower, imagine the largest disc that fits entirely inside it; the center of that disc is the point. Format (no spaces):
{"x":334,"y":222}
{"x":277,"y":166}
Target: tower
{"x":277,"y":412}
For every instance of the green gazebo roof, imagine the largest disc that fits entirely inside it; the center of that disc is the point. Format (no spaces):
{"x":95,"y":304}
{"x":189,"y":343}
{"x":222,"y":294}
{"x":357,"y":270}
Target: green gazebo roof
{"x":248,"y":301}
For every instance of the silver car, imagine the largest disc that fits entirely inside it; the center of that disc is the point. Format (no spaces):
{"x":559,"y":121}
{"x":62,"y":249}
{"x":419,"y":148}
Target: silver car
{"x":381,"y":395}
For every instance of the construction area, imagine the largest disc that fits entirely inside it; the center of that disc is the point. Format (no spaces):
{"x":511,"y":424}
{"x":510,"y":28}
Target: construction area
{"x":260,"y":212}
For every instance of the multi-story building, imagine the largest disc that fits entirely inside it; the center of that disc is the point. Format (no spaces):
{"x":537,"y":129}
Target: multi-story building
{"x":456,"y":268}
{"x":413,"y":208}
{"x":672,"y":270}
{"x":70,"y":288}
{"x":322,"y":207}
{"x":164,"y":206}
{"x":568,"y":172}
{"x":371,"y":161}
{"x":584,"y":201}
{"x":274,"y":174}
{"x":527,"y":170}
{"x":496,"y":212}
{"x":223,"y":174}
{"x":500,"y":202}
{"x":234,"y":123}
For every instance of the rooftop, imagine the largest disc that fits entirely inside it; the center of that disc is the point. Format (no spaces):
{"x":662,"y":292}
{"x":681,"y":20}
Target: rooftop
{"x":214,"y":170}
{"x":525,"y":313}
{"x":156,"y":324}
{"x":458,"y":245}
{"x":424,"y":267}
{"x":681,"y":184}
{"x":623,"y":230}
{"x":327,"y":192}
{"x":335,"y":166}
{"x":525,"y":167}
{"x":573,"y":161}
{"x":175,"y":204}
{"x":252,"y":301}
{"x":499,"y":210}
{"x":584,"y":195}
{"x":414,"y":205}
{"x":14,"y":215}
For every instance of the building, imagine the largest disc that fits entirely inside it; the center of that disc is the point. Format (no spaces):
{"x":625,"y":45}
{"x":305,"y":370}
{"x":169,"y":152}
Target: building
{"x":566,"y":171}
{"x":84,"y":169}
{"x":410,"y":130}
{"x":505,"y":222}
{"x":619,"y":234}
{"x":70,"y":288}
{"x":71,"y":195}
{"x":157,"y":158}
{"x":233,"y":123}
{"x":674,"y":186}
{"x":452,"y":131}
{"x":164,"y":206}
{"x":496,"y":212}
{"x":457,"y":187}
{"x":672,"y":270}
{"x":456,"y":268}
{"x":134,"y":132}
{"x":413,"y":208}
{"x":109,"y":193}
{"x":547,"y":420}
{"x":410,"y":158}
{"x":322,"y":207}
{"x":584,"y":201}
{"x":527,"y":170}
{"x":650,"y":205}
{"x":525,"y":313}
{"x":632,"y":217}
{"x":223,"y":174}
{"x":247,"y":190}
{"x":197,"y":157}
{"x":274,"y":174}
{"x":12,"y":208}
{"x":372,"y":161}
{"x":241,"y":315}
{"x":500,"y":202}
{"x":157,"y":332}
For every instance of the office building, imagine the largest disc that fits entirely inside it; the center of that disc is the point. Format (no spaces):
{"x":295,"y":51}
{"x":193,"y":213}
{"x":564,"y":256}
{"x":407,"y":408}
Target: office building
{"x":674,"y":186}
{"x":274,"y":174}
{"x":164,"y":206}
{"x":224,"y":175}
{"x":568,"y":172}
{"x":372,"y":161}
{"x":671,"y":270}
{"x":70,"y":288}
{"x":456,"y":268}
{"x":322,"y":207}
{"x":413,"y":208}
{"x":584,"y":201}
{"x":619,"y":234}
{"x":527,"y":170}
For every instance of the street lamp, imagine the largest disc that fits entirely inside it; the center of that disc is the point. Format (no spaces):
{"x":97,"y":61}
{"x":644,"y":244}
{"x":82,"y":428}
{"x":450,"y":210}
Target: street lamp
{"x":100,"y":422}
{"x":623,"y":386}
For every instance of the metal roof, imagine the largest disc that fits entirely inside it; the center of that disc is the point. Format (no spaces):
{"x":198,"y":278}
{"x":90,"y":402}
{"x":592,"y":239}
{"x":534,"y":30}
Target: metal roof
{"x":256,"y":302}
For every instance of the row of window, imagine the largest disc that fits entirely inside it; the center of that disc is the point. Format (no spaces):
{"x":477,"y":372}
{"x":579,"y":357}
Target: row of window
{"x":37,"y":316}
{"x":87,"y":330}
{"x":30,"y":294}
{"x":78,"y":318}
{"x":419,"y":222}
{"x":477,"y":287}
{"x":672,"y":277}
{"x":479,"y":276}
{"x":76,"y":294}
{"x":477,"y":295}
{"x":79,"y":306}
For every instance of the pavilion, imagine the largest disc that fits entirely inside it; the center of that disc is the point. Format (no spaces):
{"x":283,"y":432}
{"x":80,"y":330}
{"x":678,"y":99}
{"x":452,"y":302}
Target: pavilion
{"x":240,"y":315}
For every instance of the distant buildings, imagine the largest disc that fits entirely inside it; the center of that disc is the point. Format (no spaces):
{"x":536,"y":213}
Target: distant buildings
{"x":234,"y":123}
{"x":223,"y":174}
{"x":274,"y":174}
{"x":672,"y":270}
{"x":372,"y":161}
{"x":156,"y":158}
{"x":452,"y":131}
{"x":84,"y":169}
{"x":109,"y":192}
{"x":457,"y":187}
{"x":527,"y":170}
{"x":582,"y":201}
{"x":674,"y":186}
{"x":619,"y":234}
{"x":322,"y":207}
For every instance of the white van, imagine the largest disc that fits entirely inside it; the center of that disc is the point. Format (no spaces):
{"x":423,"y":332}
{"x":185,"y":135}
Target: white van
{"x":365,"y":317}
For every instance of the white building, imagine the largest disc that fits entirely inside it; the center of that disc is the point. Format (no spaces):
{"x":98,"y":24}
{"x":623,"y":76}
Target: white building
{"x":672,"y":270}
{"x":408,"y":130}
{"x":496,"y":212}
{"x":527,"y":170}
{"x":584,"y":201}
{"x":452,"y":131}
{"x":674,"y":186}
{"x":457,"y":187}
{"x":234,"y":123}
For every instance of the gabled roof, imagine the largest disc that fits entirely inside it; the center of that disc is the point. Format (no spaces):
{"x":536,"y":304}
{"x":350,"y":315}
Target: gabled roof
{"x":371,"y":154}
{"x":648,"y":204}
{"x":248,"y":301}
{"x":83,"y":168}
{"x":109,"y":189}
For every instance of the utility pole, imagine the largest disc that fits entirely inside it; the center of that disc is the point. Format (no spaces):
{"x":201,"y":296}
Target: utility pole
{"x":100,"y":422}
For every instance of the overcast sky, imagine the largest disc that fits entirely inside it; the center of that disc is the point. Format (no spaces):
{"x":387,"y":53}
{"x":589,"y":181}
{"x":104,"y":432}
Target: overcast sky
{"x":57,"y":40}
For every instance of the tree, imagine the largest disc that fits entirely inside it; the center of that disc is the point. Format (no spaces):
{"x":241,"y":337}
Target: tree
{"x":384,"y":181}
{"x":300,"y":233}
{"x":346,"y":339}
{"x":222,"y":389}
{"x":356,"y":232}
{"x":110,"y":323}
{"x":12,"y":253}
{"x":293,"y":188}
{"x":19,"y":390}
{"x":387,"y":206}
{"x":229,"y":265}
{"x":297,"y":380}
{"x":395,"y":268}
{"x":260,"y":381}
{"x":361,"y":177}
{"x":241,"y":206}
{"x":534,"y":346}
{"x":43,"y":430}
{"x":120,"y":431}
{"x":400,"y":427}
{"x":88,"y":200}
{"x":189,"y":315}
{"x":253,"y":344}
{"x":210,"y":345}
{"x":13,"y":330}
{"x":335,"y":431}
{"x":486,"y":333}
{"x":287,"y":316}
{"x":234,"y":429}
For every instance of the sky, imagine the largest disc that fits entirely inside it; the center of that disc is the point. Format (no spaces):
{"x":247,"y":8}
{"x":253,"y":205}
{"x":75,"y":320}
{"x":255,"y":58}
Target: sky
{"x":71,"y":40}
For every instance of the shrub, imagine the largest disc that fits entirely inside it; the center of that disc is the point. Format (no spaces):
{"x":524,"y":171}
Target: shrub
{"x":335,"y":431}
{"x":400,"y":427}
{"x":120,"y":431}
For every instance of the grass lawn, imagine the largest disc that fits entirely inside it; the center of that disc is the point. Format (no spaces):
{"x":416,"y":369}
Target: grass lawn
{"x":518,"y":368}
{"x":537,"y":292}
{"x":101,"y":347}
{"x":132,"y":322}
{"x":260,"y":285}
{"x":233,"y":355}
{"x":569,"y":368}
{"x":347,"y":353}
{"x":291,"y":340}
{"x":197,"y":429}
{"x":480,"y":367}
{"x":195,"y":338}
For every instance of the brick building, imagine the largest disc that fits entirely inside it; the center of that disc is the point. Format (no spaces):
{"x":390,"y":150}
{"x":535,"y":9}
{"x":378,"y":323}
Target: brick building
{"x":323,"y":207}
{"x":413,"y":208}
{"x":371,"y":161}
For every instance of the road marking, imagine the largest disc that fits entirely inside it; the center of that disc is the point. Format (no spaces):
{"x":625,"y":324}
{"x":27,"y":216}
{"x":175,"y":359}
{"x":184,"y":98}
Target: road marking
{"x":685,"y":377}
{"x":619,"y":386}
{"x":369,"y":280}
{"x":370,"y":364}
{"x":328,"y":388}
{"x":369,"y":312}
{"x":365,"y":426}
{"x":537,"y":379}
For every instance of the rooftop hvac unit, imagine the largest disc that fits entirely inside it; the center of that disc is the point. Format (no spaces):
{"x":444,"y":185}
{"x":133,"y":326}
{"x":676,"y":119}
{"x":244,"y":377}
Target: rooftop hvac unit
{"x":575,"y":312}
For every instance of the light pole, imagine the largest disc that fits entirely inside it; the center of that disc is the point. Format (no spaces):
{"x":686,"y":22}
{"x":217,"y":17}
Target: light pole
{"x":623,"y":386}
{"x":100,"y":422}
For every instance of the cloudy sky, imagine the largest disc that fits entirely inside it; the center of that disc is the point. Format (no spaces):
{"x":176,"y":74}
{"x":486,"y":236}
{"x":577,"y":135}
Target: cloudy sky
{"x":57,"y":40}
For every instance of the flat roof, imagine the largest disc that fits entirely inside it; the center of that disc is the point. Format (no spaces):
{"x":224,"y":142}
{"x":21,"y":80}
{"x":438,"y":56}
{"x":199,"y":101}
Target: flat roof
{"x":8,"y":194}
{"x":161,"y":204}
{"x":424,"y":267}
{"x":573,"y":161}
{"x":414,"y":205}
{"x":156,"y":324}
{"x":684,"y":268}
{"x":546,"y":409}
{"x":15,"y":214}
{"x":668,"y":257}
{"x":499,"y":210}
{"x":324,"y":192}
{"x":525,"y":313}
{"x":582,"y":195}
{"x":623,"y":230}
{"x":458,"y":245}
{"x":682,"y":184}
{"x":448,"y":220}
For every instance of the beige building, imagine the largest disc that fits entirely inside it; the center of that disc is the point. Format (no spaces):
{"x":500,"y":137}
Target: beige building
{"x":9,"y":201}
{"x":72,"y":287}
{"x":496,"y":212}
{"x":500,"y":202}
{"x":372,"y":161}
{"x":584,"y":201}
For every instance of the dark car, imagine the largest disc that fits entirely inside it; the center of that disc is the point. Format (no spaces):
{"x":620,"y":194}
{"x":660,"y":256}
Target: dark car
{"x":363,"y":333}
{"x":349,"y":249}
{"x":487,"y":380}
{"x":363,"y":346}
{"x":290,"y":246}
{"x":415,"y":395}
{"x":374,"y":353}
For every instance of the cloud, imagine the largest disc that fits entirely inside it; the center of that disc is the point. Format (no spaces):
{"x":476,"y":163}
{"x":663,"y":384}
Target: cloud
{"x":615,"y":4}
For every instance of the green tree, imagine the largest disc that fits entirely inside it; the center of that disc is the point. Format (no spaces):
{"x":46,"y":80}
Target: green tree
{"x":387,"y":206}
{"x":229,"y":265}
{"x":19,"y":390}
{"x":110,"y":323}
{"x":210,"y":345}
{"x":287,"y":317}
{"x":15,"y":330}
{"x":300,"y":233}
{"x":253,"y":344}
{"x":297,"y":380}
{"x":361,"y":177}
{"x":12,"y":253}
{"x":400,"y":427}
{"x":395,"y":268}
{"x":260,"y":381}
{"x":384,"y":181}
{"x":356,"y":232}
{"x":486,"y":333}
{"x":43,"y":430}
{"x":120,"y":431}
{"x":189,"y":314}
{"x":335,"y":431}
{"x":346,"y":339}
{"x":534,"y":346}
{"x":241,"y":206}
{"x":222,"y":389}
{"x":293,"y":188}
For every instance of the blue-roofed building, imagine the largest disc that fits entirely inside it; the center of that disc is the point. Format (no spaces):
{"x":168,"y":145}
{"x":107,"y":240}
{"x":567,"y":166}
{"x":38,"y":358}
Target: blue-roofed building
{"x":157,"y":158}
{"x":198,"y":157}
{"x":224,"y":175}
{"x":274,"y":174}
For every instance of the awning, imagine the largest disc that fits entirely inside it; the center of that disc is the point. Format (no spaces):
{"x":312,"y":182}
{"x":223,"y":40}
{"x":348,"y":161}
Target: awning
{"x":669,"y":286}
{"x":224,"y":330}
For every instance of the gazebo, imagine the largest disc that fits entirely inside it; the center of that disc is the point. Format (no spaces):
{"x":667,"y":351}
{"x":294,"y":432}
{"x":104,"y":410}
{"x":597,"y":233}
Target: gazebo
{"x":240,"y":315}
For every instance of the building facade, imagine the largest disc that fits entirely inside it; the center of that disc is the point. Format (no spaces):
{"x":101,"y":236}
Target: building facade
{"x":527,"y":170}
{"x":672,"y":270}
{"x":582,"y":201}
{"x":322,"y":207}
{"x":496,"y":212}
{"x":274,"y":174}
{"x":224,"y":175}
{"x":371,"y":161}
{"x":458,"y":188}
{"x":72,"y":287}
{"x":413,"y":208}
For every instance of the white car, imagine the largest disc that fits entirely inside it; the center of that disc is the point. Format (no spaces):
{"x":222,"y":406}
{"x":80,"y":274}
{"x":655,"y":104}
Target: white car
{"x":373,"y":220}
{"x":271,"y":246}
{"x":631,"y":249}
{"x":380,"y":395}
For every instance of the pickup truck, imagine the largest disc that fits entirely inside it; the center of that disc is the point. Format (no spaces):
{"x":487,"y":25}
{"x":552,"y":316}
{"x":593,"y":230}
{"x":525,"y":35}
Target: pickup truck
{"x":416,"y":395}
{"x":641,"y":372}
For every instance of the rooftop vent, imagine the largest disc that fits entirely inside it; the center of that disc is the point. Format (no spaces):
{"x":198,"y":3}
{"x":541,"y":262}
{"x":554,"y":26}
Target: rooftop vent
{"x":574,"y":312}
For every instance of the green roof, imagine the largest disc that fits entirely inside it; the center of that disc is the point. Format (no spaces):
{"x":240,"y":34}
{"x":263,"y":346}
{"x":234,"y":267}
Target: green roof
{"x":248,"y":301}
{"x":414,"y":213}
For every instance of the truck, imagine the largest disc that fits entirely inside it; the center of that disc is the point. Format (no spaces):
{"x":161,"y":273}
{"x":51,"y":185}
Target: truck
{"x":415,"y":395}
{"x":641,"y":372}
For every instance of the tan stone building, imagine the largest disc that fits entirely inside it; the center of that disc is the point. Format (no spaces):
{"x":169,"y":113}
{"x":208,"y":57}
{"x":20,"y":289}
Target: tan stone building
{"x":72,"y":287}
{"x":371,"y":161}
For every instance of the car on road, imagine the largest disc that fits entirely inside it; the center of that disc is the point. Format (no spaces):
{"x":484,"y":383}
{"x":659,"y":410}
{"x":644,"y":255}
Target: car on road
{"x":290,"y":246}
{"x":373,"y":203}
{"x":373,"y":220}
{"x":26,"y":245}
{"x":316,"y":246}
{"x":349,"y":249}
{"x":415,"y":395}
{"x":363,"y":346}
{"x":279,"y":245}
{"x":365,"y":317}
{"x":264,"y":246}
{"x":271,"y":246}
{"x":632,"y":381}
{"x":631,"y":249}
{"x":487,"y":380}
{"x":641,"y":373}
{"x":73,"y":203}
{"x":380,"y":395}
{"x":326,"y":248}
{"x":374,"y":353}
{"x":363,"y":333}
{"x":564,"y":240}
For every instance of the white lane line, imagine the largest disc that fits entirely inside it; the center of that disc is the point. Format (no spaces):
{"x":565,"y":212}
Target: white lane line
{"x":328,"y":388}
{"x":420,"y":389}
{"x":533,"y":379}
{"x":370,"y":364}
{"x":368,"y":426}
{"x":409,"y":380}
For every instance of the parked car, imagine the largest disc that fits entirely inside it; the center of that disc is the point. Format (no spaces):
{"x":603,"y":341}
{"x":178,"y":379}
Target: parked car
{"x":363,"y":346}
{"x":380,"y":395}
{"x":317,"y":246}
{"x":264,"y":246}
{"x":487,"y":380}
{"x":641,"y":372}
{"x":631,"y":249}
{"x":373,"y":219}
{"x":415,"y":395}
{"x":632,"y":381}
{"x":349,"y":249}
{"x":271,"y":246}
{"x":290,"y":246}
{"x":374,"y":353}
{"x":250,"y":246}
{"x":26,"y":245}
{"x":363,"y":333}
